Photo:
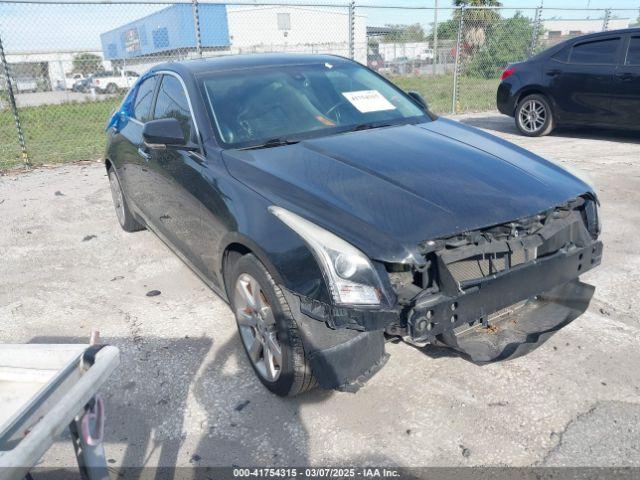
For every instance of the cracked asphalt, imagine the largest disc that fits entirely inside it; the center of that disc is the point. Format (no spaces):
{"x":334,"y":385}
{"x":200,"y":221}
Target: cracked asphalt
{"x":185,"y":395}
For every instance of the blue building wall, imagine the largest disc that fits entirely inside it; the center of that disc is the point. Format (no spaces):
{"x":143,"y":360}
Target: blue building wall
{"x":169,"y":29}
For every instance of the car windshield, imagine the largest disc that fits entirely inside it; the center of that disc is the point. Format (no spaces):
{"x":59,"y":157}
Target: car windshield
{"x":283,"y":104}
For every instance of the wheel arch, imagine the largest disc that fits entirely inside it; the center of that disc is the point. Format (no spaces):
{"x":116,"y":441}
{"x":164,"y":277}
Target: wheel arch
{"x":534,"y":90}
{"x":236,"y":244}
{"x":288,"y":260}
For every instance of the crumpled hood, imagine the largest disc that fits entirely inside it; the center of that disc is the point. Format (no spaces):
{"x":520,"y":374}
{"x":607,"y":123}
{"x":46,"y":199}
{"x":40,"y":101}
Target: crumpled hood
{"x":386,"y":190}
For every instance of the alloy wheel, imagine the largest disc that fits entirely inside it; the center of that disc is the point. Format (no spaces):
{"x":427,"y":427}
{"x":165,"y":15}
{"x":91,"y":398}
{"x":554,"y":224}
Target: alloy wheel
{"x":257,"y":325}
{"x":532,"y":116}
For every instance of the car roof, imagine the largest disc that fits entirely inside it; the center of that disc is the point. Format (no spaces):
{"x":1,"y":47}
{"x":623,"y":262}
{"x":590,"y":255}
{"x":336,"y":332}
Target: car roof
{"x":620,"y":31}
{"x":245,"y":61}
{"x":570,"y":41}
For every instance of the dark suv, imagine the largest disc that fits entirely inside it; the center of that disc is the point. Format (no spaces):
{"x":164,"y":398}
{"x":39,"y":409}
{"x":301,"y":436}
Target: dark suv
{"x":589,"y":80}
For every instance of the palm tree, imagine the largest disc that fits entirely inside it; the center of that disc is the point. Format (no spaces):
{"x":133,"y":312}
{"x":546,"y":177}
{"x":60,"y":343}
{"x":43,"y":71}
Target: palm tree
{"x":477,"y":20}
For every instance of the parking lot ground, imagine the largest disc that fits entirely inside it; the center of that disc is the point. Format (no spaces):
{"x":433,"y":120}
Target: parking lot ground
{"x":185,"y":394}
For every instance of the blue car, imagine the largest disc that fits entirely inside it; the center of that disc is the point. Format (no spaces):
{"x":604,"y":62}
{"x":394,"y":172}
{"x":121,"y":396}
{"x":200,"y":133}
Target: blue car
{"x":334,"y":212}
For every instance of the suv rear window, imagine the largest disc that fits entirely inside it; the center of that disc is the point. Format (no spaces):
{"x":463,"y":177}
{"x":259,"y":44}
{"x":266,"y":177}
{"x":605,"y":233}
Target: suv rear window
{"x":596,"y":52}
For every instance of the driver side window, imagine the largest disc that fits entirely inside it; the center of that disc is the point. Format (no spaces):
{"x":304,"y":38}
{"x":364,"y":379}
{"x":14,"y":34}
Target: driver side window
{"x":172,"y":103}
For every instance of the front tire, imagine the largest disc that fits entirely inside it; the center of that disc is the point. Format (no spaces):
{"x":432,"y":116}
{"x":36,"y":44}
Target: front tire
{"x":267,"y":329}
{"x":125,"y":217}
{"x":534,"y":117}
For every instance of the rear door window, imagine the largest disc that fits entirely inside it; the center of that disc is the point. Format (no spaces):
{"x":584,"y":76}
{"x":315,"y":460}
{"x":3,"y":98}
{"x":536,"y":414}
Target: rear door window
{"x":144,"y":98}
{"x":562,"y":55}
{"x":633,"y":52}
{"x":597,"y":52}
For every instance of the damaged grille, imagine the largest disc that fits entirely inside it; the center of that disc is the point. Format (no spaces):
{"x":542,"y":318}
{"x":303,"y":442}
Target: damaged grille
{"x":492,"y":318}
{"x":467,"y":260}
{"x":480,"y":266}
{"x":486,"y":279}
{"x":464,"y":260}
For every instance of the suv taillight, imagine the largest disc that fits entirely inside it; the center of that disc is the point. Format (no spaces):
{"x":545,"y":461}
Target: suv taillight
{"x":508,"y":72}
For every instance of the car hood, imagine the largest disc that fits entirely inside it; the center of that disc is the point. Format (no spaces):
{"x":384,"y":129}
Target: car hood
{"x":386,"y":190}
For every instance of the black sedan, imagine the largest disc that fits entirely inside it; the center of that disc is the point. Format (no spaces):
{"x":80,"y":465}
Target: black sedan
{"x":334,"y":211}
{"x":591,"y":80}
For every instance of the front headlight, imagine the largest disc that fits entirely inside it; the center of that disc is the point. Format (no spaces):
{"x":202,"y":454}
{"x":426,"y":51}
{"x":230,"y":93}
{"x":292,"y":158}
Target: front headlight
{"x":352,"y":279}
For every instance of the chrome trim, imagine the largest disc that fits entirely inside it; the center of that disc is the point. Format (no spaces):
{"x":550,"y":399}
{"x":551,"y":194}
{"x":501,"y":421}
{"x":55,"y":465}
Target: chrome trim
{"x":213,"y":112}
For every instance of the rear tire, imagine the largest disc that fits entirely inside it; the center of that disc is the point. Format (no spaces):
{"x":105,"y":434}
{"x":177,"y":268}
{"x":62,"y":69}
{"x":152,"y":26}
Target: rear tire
{"x":264,"y":318}
{"x":111,"y":88}
{"x":124,"y":215}
{"x":534,"y":116}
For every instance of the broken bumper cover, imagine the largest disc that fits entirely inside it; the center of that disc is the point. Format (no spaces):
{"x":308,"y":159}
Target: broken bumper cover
{"x":442,"y":315}
{"x":343,"y":358}
{"x":514,"y":335}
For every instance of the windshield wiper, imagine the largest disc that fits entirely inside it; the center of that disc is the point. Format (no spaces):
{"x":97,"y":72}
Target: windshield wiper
{"x":272,"y":142}
{"x":367,"y":126}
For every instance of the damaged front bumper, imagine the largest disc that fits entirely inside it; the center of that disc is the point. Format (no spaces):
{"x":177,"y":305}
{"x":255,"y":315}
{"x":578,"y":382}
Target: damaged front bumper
{"x":342,"y":359}
{"x":490,"y":294}
{"x":502,"y":291}
{"x":525,"y":328}
{"x":435,"y":315}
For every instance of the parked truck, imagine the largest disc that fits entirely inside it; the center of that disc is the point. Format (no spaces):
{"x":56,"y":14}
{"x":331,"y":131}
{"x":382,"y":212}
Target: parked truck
{"x":112,"y":82}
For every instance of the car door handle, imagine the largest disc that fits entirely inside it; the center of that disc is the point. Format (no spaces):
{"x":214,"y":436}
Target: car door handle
{"x":144,"y":154}
{"x":553,"y":73}
{"x":625,"y":76}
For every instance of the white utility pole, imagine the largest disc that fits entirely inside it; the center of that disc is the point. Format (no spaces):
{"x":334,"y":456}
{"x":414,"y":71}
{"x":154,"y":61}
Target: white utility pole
{"x":435,"y":39}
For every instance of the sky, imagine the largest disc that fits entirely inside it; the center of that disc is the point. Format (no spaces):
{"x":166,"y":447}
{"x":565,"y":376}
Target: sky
{"x":38,"y":27}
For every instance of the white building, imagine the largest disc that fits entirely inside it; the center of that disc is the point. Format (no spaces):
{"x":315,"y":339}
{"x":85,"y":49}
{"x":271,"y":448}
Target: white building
{"x":410,"y":50}
{"x":559,"y":28}
{"x":295,"y":29}
{"x":53,"y":66}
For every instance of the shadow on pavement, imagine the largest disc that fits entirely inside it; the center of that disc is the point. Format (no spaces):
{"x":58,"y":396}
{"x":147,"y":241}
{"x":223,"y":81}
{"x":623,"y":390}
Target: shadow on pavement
{"x":250,"y":426}
{"x":505,"y":124}
{"x":147,"y":398}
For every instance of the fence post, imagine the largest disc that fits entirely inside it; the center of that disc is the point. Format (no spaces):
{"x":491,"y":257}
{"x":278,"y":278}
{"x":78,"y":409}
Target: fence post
{"x":456,"y":67}
{"x":435,"y":39}
{"x":14,"y":107}
{"x":196,"y":26}
{"x":352,"y":28}
{"x":536,"y":31}
{"x":605,"y":22}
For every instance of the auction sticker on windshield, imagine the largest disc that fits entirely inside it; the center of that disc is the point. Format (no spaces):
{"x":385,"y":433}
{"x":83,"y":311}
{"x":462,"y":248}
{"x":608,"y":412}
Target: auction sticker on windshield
{"x":368,"y":101}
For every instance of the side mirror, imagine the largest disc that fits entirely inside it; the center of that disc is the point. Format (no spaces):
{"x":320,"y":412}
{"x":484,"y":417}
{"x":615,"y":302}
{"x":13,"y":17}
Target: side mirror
{"x":163,"y":132}
{"x":418,"y":99}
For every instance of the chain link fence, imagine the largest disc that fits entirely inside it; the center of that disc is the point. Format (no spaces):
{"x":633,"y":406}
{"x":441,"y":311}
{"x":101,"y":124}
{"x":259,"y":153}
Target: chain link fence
{"x":66,"y":65}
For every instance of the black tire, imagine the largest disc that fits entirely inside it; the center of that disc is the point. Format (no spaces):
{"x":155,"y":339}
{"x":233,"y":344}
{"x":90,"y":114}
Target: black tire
{"x":528,"y":116}
{"x":295,"y":376}
{"x":124,"y":215}
{"x":111,"y":88}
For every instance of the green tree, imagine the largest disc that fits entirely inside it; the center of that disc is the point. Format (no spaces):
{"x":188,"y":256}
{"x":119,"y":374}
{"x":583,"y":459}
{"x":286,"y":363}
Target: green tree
{"x":507,"y":41}
{"x":447,"y":30}
{"x":87,"y":63}
{"x":404,"y":33}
